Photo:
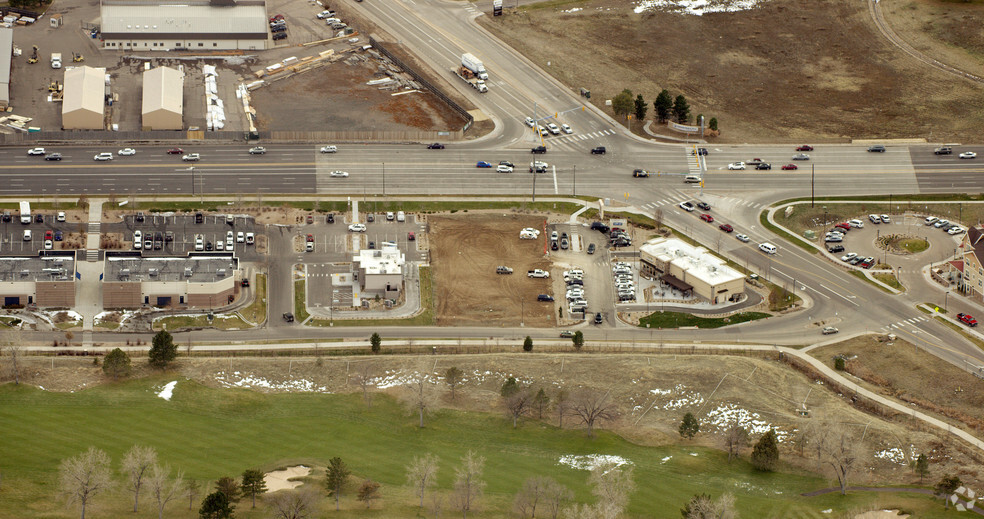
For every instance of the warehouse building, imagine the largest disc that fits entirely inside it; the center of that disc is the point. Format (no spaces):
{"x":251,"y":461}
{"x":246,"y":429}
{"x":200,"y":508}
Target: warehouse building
{"x":84,"y":101}
{"x":194,"y":25}
{"x":200,"y":281}
{"x":6,"y":51}
{"x":690,"y":269}
{"x":45,"y":281}
{"x":163,"y":99}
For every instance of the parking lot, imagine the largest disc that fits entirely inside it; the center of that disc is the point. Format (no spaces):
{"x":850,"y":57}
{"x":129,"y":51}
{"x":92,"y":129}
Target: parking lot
{"x":12,"y":242}
{"x":863,"y":241}
{"x":183,"y":228}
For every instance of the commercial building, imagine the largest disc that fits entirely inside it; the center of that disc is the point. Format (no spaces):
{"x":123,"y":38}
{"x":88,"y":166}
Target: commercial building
{"x":84,"y":102}
{"x":45,"y":281}
{"x":690,"y":269}
{"x":6,"y":51}
{"x":380,"y":272}
{"x":968,"y":274}
{"x":163,"y":99}
{"x":194,"y":25}
{"x":198,"y":281}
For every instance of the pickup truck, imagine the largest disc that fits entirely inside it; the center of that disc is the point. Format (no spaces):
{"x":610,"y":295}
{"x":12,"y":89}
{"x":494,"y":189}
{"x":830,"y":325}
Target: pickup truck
{"x":537,"y":273}
{"x":503,"y":270}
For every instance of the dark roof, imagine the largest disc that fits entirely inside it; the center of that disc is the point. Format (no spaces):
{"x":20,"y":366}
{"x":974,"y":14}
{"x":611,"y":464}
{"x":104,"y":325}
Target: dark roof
{"x":957,"y":265}
{"x":678,"y":284}
{"x":975,"y":240}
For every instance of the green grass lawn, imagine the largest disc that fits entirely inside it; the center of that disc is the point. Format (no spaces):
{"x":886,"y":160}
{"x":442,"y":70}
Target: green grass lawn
{"x":256,"y":311}
{"x":679,"y":319}
{"x":209,"y":433}
{"x":914,"y":245}
{"x":300,"y":309}
{"x":220,"y":321}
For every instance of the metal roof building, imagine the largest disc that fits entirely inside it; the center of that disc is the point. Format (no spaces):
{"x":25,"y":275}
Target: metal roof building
{"x":163,"y":99}
{"x":6,"y":51}
{"x":85,"y":92}
{"x":194,"y":25}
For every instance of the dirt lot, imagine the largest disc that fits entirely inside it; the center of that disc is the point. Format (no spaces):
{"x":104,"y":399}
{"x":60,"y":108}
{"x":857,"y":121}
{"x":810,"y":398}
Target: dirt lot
{"x":833,"y":73}
{"x":466,"y":249}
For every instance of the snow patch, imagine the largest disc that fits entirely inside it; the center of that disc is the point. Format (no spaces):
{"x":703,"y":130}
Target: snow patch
{"x":573,"y":10}
{"x":590,"y":461}
{"x":895,"y":455}
{"x":237,"y":379}
{"x":695,"y":7}
{"x":664,"y":460}
{"x":723,"y":416}
{"x":167,"y":390}
{"x":694,"y":454}
{"x":687,"y":397}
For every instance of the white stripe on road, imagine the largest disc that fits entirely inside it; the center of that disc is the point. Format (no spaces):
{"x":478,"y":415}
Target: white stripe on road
{"x":842,"y":297}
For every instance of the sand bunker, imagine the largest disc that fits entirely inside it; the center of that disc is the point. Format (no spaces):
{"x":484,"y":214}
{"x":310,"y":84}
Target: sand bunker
{"x":881,"y":514}
{"x":281,"y":479}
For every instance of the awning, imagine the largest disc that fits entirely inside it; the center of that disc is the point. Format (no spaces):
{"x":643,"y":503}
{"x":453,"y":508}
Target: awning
{"x":678,"y":284}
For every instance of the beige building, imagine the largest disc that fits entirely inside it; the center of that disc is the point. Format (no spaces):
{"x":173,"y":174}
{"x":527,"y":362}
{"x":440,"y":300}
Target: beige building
{"x":6,"y":50}
{"x":380,"y":272}
{"x":163,"y":99}
{"x":189,"y":25}
{"x":45,"y":281}
{"x":199,"y":281}
{"x":690,"y":269}
{"x":969,"y":274}
{"x":84,"y":102}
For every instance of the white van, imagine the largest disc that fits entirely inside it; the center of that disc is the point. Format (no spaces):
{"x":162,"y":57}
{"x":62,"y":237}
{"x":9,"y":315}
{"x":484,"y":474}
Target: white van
{"x":692,"y":179}
{"x":768,"y":248}
{"x":27,"y":235}
{"x":401,"y":216}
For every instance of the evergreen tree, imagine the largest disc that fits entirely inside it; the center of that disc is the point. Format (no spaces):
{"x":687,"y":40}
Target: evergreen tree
{"x":163,"y":350}
{"x":765,"y":456}
{"x":689,"y":426}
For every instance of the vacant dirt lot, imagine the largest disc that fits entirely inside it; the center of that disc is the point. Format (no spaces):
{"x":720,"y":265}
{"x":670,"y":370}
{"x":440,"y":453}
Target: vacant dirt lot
{"x":466,"y":249}
{"x":786,"y":70}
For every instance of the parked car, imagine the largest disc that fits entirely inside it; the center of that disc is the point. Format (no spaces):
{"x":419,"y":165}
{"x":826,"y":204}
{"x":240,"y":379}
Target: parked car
{"x":834,"y":249}
{"x":537,"y":273}
{"x":546,"y":298}
{"x":849,"y":256}
{"x":885,"y":219}
{"x":857,"y":224}
{"x":940,"y":223}
{"x":875,"y":219}
{"x":843,"y":225}
{"x":930,"y":220}
{"x":967,"y":319}
{"x":357,"y":227}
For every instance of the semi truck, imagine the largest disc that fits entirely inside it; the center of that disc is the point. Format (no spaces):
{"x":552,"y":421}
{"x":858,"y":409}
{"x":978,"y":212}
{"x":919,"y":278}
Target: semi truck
{"x":475,"y":66}
{"x":469,"y":77}
{"x":25,"y":212}
{"x":496,"y":7}
{"x":56,"y":60}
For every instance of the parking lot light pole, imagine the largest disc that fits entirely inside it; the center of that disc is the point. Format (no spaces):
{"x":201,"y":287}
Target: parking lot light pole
{"x":384,"y":179}
{"x":945,"y":297}
{"x":574,"y":189}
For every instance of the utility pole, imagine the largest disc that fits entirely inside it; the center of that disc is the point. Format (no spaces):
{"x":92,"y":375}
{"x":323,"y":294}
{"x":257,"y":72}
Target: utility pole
{"x":574,"y":190}
{"x":384,"y":179}
{"x":813,"y":178}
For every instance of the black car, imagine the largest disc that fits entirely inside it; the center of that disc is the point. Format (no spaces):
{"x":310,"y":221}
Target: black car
{"x":598,"y":226}
{"x":289,"y":317}
{"x":370,"y":218}
{"x":599,"y":318}
{"x":278,"y":29}
{"x":39,"y":218}
{"x":835,"y":248}
{"x":598,"y":150}
{"x":591,"y":249}
{"x":547,"y":298}
{"x":700,"y":151}
{"x":539,"y":149}
{"x":763,"y":165}
{"x":704,"y":206}
{"x":279,"y":36}
{"x":435,"y":146}
{"x":877,"y":148}
{"x":372,"y":245}
{"x":208,"y":246}
{"x":53,"y":156}
{"x":330,"y":218}
{"x":199,"y":217}
{"x":553,"y":245}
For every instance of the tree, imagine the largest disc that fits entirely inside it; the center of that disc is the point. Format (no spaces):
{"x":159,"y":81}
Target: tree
{"x":518,"y":403}
{"x":622,"y":103}
{"x":563,"y":404}
{"x":528,"y":344}
{"x":216,"y":506}
{"x":368,"y":492}
{"x":713,"y":124}
{"x":292,"y":504}
{"x":335,"y":476}
{"x":192,"y":489}
{"x":452,"y":377}
{"x":841,"y":453}
{"x":735,"y":439}
{"x":509,"y":388}
{"x":921,"y":466}
{"x":578,"y":340}
{"x":681,"y":110}
{"x":253,"y":483}
{"x":163,"y":350}
{"x":117,"y":364}
{"x":366,"y":379}
{"x":421,"y":474}
{"x":229,"y":487}
{"x":543,"y":494}
{"x":946,"y":486}
{"x":135,"y":465}
{"x":641,"y":107}
{"x":85,"y":476}
{"x":162,"y":487}
{"x":468,"y":484}
{"x":765,"y":456}
{"x":591,"y":407}
{"x":701,"y":507}
{"x":663,"y":105}
{"x":689,"y":426}
{"x":611,"y":484}
{"x":540,"y":402}
{"x":419,"y":396}
{"x":375,"y":340}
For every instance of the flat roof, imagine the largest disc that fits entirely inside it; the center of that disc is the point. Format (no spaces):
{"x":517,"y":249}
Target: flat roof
{"x":85,"y":89}
{"x":244,"y":19}
{"x":163,"y":89}
{"x":194,"y":269}
{"x":697,"y":262}
{"x":388,"y":260}
{"x":6,"y":52}
{"x":34,"y":268}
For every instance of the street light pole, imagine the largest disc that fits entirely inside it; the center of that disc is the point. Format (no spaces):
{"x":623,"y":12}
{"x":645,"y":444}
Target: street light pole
{"x":945,"y":297}
{"x":574,"y":189}
{"x":384,"y":179}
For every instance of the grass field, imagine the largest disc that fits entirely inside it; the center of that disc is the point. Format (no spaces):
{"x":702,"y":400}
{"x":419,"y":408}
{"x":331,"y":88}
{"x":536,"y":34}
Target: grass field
{"x":679,"y":319}
{"x":209,"y":433}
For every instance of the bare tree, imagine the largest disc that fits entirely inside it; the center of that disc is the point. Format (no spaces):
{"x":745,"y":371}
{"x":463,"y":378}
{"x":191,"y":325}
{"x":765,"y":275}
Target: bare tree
{"x":735,"y":439}
{"x":543,"y":494}
{"x":421,"y":474}
{"x":468,"y":484}
{"x":555,"y":498}
{"x":518,"y":404}
{"x":563,"y":404}
{"x":366,"y":379}
{"x":592,"y":406}
{"x":368,"y":492}
{"x":162,"y":487}
{"x":541,"y":402}
{"x":612,"y":483}
{"x":841,"y":452}
{"x":595,"y":511}
{"x":658,"y":218}
{"x":453,"y":378}
{"x":134,"y":466}
{"x":419,"y":396}
{"x":815,"y":435}
{"x":85,"y":476}
{"x":292,"y":504}
{"x":702,"y":507}
{"x":13,"y":351}
{"x":192,"y":489}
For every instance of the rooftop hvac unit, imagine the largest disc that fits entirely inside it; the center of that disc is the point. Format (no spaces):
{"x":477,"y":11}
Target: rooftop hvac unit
{"x":25,"y":273}
{"x":152,"y":272}
{"x":188,"y":272}
{"x":220,"y":272}
{"x":124,"y":272}
{"x":53,"y":271}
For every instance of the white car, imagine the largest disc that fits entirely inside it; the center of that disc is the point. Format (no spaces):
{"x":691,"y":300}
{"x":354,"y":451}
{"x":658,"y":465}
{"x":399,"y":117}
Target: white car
{"x":137,"y":239}
{"x":240,"y":237}
{"x":955,"y":230}
{"x":219,"y":245}
{"x":357,"y":227}
{"x":199,"y":242}
{"x":339,"y":174}
{"x":968,"y":155}
{"x":60,"y":217}
{"x":877,"y":219}
{"x":126,"y":152}
{"x":191,"y":157}
{"x":27,"y":235}
{"x":849,"y":256}
{"x":36,"y":151}
{"x":940,"y":223}
{"x":687,"y":206}
{"x":885,"y":219}
{"x":502,"y":168}
{"x":250,"y":238}
{"x":857,"y":224}
{"x":325,"y":14}
{"x":229,"y":239}
{"x":529,"y":122}
{"x":566,"y":129}
{"x":537,"y":273}
{"x":930,"y":220}
{"x":736,"y":165}
{"x":742,"y":238}
{"x":48,"y":245}
{"x":553,"y":128}
{"x":329,"y":149}
{"x":103,"y":156}
{"x":543,"y":131}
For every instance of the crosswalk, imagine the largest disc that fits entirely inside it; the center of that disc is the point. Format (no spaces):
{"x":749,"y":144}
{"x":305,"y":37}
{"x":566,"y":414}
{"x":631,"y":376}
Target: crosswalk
{"x":573,"y":141}
{"x":908,"y":322}
{"x":673,"y":198}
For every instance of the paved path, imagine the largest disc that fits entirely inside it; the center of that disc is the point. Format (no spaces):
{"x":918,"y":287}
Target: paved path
{"x":924,"y":491}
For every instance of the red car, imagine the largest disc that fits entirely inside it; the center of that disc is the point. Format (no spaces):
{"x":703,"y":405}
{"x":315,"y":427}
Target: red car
{"x":790,"y":166}
{"x":411,"y":236}
{"x":707,"y":218}
{"x":277,"y":17}
{"x":726,"y":227}
{"x":805,"y":147}
{"x":843,"y":225}
{"x":175,"y":151}
{"x":967,"y":319}
{"x":310,"y":237}
{"x":48,"y":235}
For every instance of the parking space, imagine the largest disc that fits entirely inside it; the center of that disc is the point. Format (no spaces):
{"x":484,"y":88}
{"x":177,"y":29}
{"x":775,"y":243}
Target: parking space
{"x":178,"y":234}
{"x":862,"y":243}
{"x":63,"y":234}
{"x":321,"y":292}
{"x":333,"y":241}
